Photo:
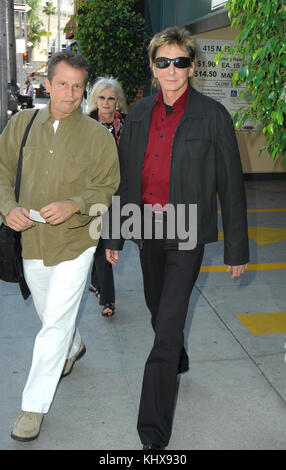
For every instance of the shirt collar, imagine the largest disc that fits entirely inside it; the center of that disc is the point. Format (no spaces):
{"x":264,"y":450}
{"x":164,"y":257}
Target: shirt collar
{"x":179,"y":103}
{"x":45,"y":115}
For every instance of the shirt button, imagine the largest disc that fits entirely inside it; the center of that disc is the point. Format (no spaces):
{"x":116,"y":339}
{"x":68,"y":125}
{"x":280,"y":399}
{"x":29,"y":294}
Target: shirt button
{"x":156,"y":155}
{"x":51,"y":152}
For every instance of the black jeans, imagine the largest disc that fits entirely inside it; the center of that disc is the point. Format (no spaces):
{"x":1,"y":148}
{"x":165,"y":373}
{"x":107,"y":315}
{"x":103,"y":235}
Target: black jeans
{"x":102,"y":276}
{"x":169,"y":277}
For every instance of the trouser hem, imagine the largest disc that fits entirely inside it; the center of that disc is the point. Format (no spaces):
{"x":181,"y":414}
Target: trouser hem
{"x":35,"y":409}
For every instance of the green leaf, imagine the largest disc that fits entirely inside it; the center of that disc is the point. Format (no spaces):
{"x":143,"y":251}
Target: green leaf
{"x":270,"y":128}
{"x":280,"y":118}
{"x":256,"y":53}
{"x":243,"y":72}
{"x":267,"y":8}
{"x":274,"y":152}
{"x":260,"y":75}
{"x":272,"y":67}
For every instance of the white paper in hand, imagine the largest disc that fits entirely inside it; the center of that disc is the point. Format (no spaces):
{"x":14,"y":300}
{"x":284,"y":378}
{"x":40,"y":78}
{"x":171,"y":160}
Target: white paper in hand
{"x":35,"y":215}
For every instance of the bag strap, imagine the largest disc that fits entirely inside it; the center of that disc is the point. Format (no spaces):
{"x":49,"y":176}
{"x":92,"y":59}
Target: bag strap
{"x":20,"y":160}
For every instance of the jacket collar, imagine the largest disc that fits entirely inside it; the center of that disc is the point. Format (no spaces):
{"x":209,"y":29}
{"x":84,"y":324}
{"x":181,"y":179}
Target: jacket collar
{"x":193,"y":108}
{"x":147,"y":115}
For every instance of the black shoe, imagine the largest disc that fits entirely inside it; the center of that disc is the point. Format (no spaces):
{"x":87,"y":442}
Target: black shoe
{"x":151,"y":446}
{"x":184,"y":362}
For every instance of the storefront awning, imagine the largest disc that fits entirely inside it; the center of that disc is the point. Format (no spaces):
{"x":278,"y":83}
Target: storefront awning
{"x":40,"y":71}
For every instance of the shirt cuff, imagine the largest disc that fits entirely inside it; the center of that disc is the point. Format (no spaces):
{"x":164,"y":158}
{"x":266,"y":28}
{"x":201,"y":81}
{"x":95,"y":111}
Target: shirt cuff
{"x":9,"y":207}
{"x":80,"y":202}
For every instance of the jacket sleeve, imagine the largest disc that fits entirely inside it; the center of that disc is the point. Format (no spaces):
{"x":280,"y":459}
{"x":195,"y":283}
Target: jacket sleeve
{"x":230,"y":187}
{"x":9,"y":150}
{"x":114,"y":239}
{"x":103,"y":182}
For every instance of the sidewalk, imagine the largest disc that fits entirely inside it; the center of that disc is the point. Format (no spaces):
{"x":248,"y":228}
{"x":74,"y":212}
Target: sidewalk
{"x":234,"y":395}
{"x":40,"y":102}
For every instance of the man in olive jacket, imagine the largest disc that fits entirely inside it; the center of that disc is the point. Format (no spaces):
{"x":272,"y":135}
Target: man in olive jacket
{"x":70,"y":165}
{"x":178,"y":148}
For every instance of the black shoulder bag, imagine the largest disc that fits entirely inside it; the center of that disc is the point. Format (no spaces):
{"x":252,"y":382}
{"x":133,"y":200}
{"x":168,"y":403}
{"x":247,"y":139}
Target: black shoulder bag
{"x":11,"y":262}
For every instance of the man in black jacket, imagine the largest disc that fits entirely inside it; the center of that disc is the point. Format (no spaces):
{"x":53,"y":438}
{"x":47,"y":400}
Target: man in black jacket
{"x":178,"y":149}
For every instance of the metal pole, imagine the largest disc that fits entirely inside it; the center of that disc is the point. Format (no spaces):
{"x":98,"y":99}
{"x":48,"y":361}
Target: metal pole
{"x":3,"y":67}
{"x":12,"y":46}
{"x":59,"y":25}
{"x":25,"y":30}
{"x":21,"y":55}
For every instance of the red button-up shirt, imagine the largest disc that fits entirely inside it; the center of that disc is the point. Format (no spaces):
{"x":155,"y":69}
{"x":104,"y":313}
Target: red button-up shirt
{"x":157,"y":159}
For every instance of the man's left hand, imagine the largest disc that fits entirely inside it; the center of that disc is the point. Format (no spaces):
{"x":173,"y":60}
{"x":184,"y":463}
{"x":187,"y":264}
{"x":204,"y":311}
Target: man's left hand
{"x":59,"y":211}
{"x":237,"y":270}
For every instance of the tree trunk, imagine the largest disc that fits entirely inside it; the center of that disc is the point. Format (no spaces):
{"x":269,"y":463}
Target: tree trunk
{"x":3,"y":67}
{"x":12,"y":46}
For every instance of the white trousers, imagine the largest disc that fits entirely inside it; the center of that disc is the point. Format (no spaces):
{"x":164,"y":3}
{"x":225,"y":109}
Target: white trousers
{"x":56,"y":292}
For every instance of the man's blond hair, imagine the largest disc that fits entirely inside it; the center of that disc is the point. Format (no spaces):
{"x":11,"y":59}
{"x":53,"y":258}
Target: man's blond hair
{"x":171,"y":36}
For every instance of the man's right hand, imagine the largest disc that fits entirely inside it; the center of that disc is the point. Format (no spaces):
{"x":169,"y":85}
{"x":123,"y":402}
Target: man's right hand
{"x":19,"y":219}
{"x":112,"y":256}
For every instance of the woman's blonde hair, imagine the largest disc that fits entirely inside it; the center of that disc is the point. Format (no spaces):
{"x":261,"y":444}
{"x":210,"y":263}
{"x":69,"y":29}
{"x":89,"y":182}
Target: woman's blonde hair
{"x":101,"y":84}
{"x":171,"y":36}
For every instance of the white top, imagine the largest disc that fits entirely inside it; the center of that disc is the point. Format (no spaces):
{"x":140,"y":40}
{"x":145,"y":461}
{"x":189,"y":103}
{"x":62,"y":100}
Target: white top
{"x":56,"y":124}
{"x":30,"y":91}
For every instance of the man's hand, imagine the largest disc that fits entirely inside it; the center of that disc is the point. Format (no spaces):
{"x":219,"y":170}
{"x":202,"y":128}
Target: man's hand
{"x":59,"y":211}
{"x":237,"y":270}
{"x":19,"y":219}
{"x":112,"y":256}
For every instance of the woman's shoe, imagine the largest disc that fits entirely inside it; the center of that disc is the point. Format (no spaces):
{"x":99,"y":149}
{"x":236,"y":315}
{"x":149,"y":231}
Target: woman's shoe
{"x":108,"y":310}
{"x":95,"y":291}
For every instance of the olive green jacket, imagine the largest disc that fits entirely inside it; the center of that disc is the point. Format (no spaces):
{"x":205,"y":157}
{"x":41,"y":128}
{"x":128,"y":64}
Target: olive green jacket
{"x":78,"y":162}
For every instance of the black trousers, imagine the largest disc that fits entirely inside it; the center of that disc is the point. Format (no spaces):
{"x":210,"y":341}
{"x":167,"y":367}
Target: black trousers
{"x":169,"y":277}
{"x":102,"y":275}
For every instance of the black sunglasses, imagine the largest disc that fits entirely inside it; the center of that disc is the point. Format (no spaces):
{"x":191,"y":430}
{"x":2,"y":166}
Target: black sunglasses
{"x":179,"y":62}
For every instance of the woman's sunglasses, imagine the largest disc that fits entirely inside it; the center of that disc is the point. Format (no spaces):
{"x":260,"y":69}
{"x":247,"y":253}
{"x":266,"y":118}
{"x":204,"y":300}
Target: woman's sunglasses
{"x":110,"y":98}
{"x":179,"y":62}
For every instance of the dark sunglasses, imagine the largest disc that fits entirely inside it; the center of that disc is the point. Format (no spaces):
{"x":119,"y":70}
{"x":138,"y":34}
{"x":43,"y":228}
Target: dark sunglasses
{"x":179,"y":62}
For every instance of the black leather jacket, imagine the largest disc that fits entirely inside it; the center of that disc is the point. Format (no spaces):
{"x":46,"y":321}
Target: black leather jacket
{"x":205,"y":161}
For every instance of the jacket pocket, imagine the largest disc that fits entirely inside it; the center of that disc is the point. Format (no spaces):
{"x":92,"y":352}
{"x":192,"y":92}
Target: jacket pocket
{"x":198,"y":148}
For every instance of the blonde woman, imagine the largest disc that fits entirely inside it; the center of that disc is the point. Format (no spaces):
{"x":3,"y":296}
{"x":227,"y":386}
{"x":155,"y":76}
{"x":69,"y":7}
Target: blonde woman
{"x":107,"y":105}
